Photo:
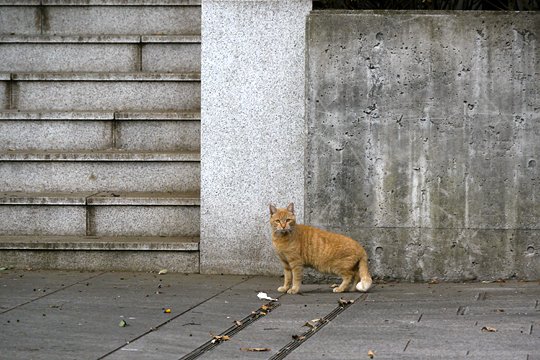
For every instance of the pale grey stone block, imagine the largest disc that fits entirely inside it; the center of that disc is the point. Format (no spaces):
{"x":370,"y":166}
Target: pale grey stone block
{"x":120,"y":243}
{"x":42,"y":220}
{"x":144,"y":198}
{"x":158,"y":135}
{"x":98,"y":156}
{"x":171,"y":57}
{"x":252,"y":128}
{"x":69,"y":57}
{"x":22,"y":198}
{"x":144,"y":221}
{"x":104,"y":176}
{"x":174,"y":261}
{"x":152,"y":20}
{"x":97,"y":95}
{"x":19,"y":20}
{"x":4,"y":94}
{"x":55,"y":115}
{"x":55,"y":135}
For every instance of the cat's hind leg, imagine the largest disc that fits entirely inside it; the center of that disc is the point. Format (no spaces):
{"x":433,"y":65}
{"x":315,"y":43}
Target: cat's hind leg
{"x":345,"y":283}
{"x":355,"y":280}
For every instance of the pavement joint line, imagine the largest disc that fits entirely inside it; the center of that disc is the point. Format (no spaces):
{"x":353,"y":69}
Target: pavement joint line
{"x":300,"y":339}
{"x":231,"y":331}
{"x":462,"y":310}
{"x":481,"y":296}
{"x":152,"y":329}
{"x":52,"y":292}
{"x":407,"y":345}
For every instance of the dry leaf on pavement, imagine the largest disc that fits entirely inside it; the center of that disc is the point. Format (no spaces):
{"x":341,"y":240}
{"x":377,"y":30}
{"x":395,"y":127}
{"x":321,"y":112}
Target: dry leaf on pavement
{"x":489,"y":329}
{"x":219,"y":338}
{"x":343,"y":301}
{"x":255,"y":349}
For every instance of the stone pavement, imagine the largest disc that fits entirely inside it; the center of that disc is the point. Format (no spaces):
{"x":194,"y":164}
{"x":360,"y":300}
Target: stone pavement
{"x":79,"y":315}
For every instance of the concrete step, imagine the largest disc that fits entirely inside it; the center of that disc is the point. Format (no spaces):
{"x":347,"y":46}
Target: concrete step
{"x":100,"y":53}
{"x":101,"y":91}
{"x":100,"y":17}
{"x":100,"y":214}
{"x":76,"y":171}
{"x":83,"y":243}
{"x":5,"y":91}
{"x":101,"y":253}
{"x":99,"y":130}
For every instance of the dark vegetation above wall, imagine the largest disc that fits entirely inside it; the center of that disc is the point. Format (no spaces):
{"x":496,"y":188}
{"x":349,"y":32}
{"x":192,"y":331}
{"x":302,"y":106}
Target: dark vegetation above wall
{"x":504,"y":5}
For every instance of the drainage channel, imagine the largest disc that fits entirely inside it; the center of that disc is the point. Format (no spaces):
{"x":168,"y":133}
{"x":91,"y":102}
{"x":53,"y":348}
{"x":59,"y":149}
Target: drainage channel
{"x":230,"y":332}
{"x":298,"y":340}
{"x":315,"y":327}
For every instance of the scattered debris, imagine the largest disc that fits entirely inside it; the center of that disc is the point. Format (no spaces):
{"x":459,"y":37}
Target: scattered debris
{"x":371,"y":354}
{"x":237,"y":323}
{"x":298,"y":337}
{"x":122,"y":323}
{"x":434,"y":281}
{"x":163,"y":271}
{"x":343,"y":302}
{"x":489,"y":329}
{"x":264,"y":296}
{"x":255,"y":349}
{"x":167,"y":311}
{"x":313,"y":323}
{"x":216,"y":339}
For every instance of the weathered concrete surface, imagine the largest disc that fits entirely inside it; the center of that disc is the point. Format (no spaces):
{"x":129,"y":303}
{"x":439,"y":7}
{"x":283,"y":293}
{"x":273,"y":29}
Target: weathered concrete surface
{"x":424,"y":140}
{"x":66,"y":315}
{"x":252,"y":128}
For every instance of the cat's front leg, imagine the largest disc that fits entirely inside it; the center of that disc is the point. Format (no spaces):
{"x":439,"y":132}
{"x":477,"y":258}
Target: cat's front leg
{"x":297,"y":274}
{"x":287,"y":279}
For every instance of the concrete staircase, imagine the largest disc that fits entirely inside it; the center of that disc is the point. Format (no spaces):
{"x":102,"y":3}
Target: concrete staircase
{"x":100,"y":134}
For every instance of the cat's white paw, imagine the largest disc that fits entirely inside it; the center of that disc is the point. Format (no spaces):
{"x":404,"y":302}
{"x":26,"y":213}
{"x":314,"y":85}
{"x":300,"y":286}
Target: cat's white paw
{"x":282,"y":289}
{"x":337,"y":290}
{"x":363,"y":286}
{"x":293,"y":291}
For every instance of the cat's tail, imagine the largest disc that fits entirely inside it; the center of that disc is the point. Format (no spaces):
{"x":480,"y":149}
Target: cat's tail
{"x":365,"y":278}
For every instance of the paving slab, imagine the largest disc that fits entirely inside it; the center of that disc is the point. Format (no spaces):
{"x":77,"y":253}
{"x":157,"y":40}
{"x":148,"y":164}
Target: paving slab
{"x":18,"y":287}
{"x":83,"y":321}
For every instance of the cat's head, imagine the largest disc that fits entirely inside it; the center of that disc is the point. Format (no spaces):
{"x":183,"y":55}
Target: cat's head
{"x":282,"y":220}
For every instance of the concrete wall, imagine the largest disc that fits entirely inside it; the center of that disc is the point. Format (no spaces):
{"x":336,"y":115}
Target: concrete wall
{"x":424,"y":140}
{"x":252,"y":127}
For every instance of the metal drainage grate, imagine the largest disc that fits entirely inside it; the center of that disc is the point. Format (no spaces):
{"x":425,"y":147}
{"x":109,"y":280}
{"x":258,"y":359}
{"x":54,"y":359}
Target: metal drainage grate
{"x":237,"y":327}
{"x":315,"y":327}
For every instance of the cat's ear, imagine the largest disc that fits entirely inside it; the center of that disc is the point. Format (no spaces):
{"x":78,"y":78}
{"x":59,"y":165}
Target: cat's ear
{"x":290,"y":207}
{"x":273,"y":209}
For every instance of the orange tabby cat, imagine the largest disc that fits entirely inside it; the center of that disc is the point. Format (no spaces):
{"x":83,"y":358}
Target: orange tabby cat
{"x":300,"y":245}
